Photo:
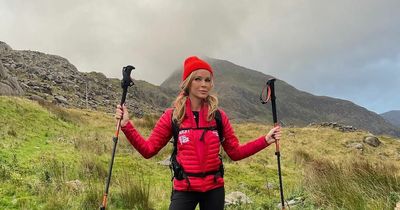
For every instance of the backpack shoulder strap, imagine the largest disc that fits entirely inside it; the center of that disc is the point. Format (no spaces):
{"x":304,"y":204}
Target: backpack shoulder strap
{"x":175,"y":134}
{"x":220,"y":129}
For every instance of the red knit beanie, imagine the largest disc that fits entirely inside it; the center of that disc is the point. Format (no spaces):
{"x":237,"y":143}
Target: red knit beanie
{"x":192,"y":64}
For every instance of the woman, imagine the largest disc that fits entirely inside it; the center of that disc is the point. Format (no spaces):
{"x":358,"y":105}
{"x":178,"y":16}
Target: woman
{"x":198,"y":146}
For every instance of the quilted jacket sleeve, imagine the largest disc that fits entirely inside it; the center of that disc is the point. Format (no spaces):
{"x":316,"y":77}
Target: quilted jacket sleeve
{"x":232,"y":146}
{"x":157,"y":140}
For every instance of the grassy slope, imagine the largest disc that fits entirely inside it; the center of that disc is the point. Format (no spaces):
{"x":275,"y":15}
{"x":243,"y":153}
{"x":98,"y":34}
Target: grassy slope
{"x":43,"y":147}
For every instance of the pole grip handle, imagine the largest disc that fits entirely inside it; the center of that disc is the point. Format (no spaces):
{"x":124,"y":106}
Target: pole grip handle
{"x":126,"y":81}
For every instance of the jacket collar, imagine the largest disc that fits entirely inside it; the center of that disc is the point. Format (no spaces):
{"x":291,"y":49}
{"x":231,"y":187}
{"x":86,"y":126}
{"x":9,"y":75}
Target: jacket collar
{"x":202,"y":114}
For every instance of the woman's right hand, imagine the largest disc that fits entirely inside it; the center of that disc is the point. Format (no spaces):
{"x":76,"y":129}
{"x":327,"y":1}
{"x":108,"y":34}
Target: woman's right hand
{"x":273,"y":135}
{"x":122,"y":113}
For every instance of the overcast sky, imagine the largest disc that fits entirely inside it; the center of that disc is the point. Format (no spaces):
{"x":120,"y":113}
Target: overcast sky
{"x":348,"y":49}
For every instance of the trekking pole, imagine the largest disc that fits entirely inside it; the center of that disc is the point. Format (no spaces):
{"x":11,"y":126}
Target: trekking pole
{"x":271,"y":97}
{"x":125,"y":83}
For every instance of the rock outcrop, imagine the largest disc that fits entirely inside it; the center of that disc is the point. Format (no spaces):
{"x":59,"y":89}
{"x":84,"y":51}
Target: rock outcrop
{"x":8,"y":84}
{"x":334,"y":125}
{"x":40,"y":76}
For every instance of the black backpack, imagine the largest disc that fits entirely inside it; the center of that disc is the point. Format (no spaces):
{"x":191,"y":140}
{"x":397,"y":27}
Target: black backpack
{"x":177,"y":170}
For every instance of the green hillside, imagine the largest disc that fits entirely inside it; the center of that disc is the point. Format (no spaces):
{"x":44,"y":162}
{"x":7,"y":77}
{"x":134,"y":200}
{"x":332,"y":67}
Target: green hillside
{"x":56,"y":158}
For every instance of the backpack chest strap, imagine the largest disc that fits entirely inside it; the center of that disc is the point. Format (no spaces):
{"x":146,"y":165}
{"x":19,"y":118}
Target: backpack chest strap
{"x":205,"y":129}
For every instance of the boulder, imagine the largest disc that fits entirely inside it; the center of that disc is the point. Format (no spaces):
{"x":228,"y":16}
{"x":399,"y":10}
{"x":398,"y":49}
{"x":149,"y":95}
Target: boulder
{"x":8,"y":85}
{"x":4,"y":47}
{"x":355,"y":145}
{"x":165,"y":162}
{"x":236,"y":198}
{"x":293,"y":202}
{"x":61,"y":99}
{"x":270,"y":186}
{"x":75,"y":185}
{"x":397,"y":206}
{"x":372,"y":141}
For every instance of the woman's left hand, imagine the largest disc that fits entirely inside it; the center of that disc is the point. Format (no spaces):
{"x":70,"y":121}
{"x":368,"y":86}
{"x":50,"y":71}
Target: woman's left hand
{"x":273,"y":135}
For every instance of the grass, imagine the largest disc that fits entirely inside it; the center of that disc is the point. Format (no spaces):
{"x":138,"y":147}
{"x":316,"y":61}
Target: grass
{"x":358,"y":184}
{"x":45,"y":148}
{"x":134,"y":194}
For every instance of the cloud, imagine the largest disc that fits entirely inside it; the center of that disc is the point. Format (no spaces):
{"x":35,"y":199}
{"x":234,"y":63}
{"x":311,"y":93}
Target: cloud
{"x":155,"y":36}
{"x":334,"y":48}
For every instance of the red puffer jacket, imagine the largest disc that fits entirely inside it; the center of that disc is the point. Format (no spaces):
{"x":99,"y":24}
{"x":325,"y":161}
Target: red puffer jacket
{"x":195,"y":155}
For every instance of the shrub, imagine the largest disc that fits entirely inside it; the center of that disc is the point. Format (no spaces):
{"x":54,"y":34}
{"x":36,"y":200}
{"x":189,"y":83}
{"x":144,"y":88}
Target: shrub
{"x":300,"y":156}
{"x":148,"y":121}
{"x":133,"y":194}
{"x":60,"y":112}
{"x":91,"y":166}
{"x":358,"y":184}
{"x":92,"y":196}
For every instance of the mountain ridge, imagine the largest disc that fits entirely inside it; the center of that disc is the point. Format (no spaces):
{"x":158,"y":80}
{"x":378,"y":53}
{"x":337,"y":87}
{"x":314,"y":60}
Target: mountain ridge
{"x":392,"y":117}
{"x":53,"y":78}
{"x":294,"y":107}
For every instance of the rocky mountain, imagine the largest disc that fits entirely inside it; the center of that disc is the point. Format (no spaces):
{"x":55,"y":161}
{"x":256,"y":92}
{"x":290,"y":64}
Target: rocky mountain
{"x":8,"y":84}
{"x":41,"y":76}
{"x":239,"y":88}
{"x":392,"y":117}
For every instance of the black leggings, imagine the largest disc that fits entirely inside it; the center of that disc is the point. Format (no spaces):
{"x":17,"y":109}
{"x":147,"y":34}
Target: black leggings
{"x":210,"y":200}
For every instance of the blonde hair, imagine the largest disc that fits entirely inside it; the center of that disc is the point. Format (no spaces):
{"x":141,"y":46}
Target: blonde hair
{"x":180,"y":101}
